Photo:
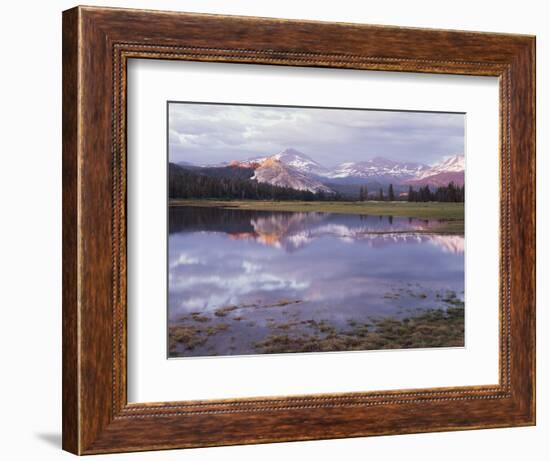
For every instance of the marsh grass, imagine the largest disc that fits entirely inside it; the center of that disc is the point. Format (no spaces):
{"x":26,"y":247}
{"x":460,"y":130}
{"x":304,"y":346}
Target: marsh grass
{"x":225,"y":310}
{"x":191,"y":336}
{"x":433,"y":328}
{"x":197,"y":317}
{"x":438,"y":327}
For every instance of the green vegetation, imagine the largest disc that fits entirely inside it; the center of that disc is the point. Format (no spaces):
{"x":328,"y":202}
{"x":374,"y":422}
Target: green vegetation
{"x":451,"y":214}
{"x":449,"y":193}
{"x":437,"y":327}
{"x":191,"y":336}
{"x":197,"y":317}
{"x":433,"y":328}
{"x":229,"y":183}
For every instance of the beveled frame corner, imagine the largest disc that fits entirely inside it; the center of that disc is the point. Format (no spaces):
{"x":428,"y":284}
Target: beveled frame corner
{"x":97,"y":44}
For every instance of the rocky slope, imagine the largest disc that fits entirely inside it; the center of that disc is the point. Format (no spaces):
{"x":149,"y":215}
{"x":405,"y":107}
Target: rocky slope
{"x":277,"y":173}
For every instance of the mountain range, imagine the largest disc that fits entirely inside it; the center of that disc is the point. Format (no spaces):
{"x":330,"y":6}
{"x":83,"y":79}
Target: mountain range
{"x":294,"y":169}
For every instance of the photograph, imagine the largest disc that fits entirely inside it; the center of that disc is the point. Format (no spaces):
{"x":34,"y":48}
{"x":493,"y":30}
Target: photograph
{"x":312,"y":229}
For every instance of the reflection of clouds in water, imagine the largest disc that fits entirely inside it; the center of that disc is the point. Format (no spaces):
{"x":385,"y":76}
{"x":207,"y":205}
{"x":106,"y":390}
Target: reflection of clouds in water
{"x":330,"y":262}
{"x":225,"y":285}
{"x":240,"y":283}
{"x":250,"y":267}
{"x":325,"y":272}
{"x":183,"y":259}
{"x":342,"y":288}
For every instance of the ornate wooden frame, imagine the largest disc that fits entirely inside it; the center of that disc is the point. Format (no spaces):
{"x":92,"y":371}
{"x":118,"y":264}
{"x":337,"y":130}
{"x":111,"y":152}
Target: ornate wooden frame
{"x":97,"y":43}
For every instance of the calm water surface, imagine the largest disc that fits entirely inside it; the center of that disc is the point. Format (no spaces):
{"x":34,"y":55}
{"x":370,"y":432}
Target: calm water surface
{"x":237,"y":276}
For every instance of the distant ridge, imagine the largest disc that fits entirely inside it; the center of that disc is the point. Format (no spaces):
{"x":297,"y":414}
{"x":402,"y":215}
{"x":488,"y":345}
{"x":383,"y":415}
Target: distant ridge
{"x":294,"y":169}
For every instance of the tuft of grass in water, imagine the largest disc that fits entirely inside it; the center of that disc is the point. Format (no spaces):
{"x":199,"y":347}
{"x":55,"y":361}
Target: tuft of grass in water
{"x":212,"y":330}
{"x":192,"y":336}
{"x":186,"y":335}
{"x":197,"y":317}
{"x":452,"y":299}
{"x":285,"y":326}
{"x":283,"y":303}
{"x":391,"y":296}
{"x":223,"y":311}
{"x":322,"y":326}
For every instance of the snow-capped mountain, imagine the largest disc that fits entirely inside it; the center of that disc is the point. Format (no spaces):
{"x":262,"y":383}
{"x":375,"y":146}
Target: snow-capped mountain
{"x":292,"y":168}
{"x":277,"y":173}
{"x":295,"y":159}
{"x":380,"y":169}
{"x":452,"y":164}
{"x":450,"y":169}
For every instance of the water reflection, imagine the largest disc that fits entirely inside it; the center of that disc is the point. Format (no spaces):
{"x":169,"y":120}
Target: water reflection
{"x":292,"y":231}
{"x":265,"y":268}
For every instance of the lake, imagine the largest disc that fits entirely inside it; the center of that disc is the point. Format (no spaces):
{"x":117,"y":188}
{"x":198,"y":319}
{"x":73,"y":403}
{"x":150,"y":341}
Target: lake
{"x":249,"y":282}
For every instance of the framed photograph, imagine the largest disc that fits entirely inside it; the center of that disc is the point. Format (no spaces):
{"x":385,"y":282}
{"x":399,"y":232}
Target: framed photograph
{"x":316,"y":258}
{"x":282,"y":230}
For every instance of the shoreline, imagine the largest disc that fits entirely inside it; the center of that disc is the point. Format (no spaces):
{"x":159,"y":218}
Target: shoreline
{"x":449,"y":214}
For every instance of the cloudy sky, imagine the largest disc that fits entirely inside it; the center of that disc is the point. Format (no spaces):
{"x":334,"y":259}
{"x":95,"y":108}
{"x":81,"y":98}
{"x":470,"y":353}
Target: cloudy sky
{"x":214,"y":133}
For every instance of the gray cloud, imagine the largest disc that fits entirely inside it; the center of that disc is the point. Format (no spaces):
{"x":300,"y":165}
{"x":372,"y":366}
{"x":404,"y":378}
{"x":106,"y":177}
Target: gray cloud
{"x":212,"y":133}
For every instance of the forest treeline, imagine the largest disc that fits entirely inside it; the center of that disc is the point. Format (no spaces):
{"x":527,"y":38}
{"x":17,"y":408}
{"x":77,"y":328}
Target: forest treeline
{"x":184,"y":183}
{"x":236,"y":183}
{"x":449,"y":193}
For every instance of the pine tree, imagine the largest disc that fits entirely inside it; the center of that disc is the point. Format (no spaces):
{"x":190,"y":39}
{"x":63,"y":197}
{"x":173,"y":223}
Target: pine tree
{"x":381,"y":195}
{"x":391,"y":195}
{"x":365,"y":193}
{"x":448,"y":193}
{"x":411,"y":197}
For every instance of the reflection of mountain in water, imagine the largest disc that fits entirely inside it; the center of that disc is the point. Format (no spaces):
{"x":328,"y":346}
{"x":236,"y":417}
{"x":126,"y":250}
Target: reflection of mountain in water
{"x":292,"y":231}
{"x":449,"y":243}
{"x":301,"y":229}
